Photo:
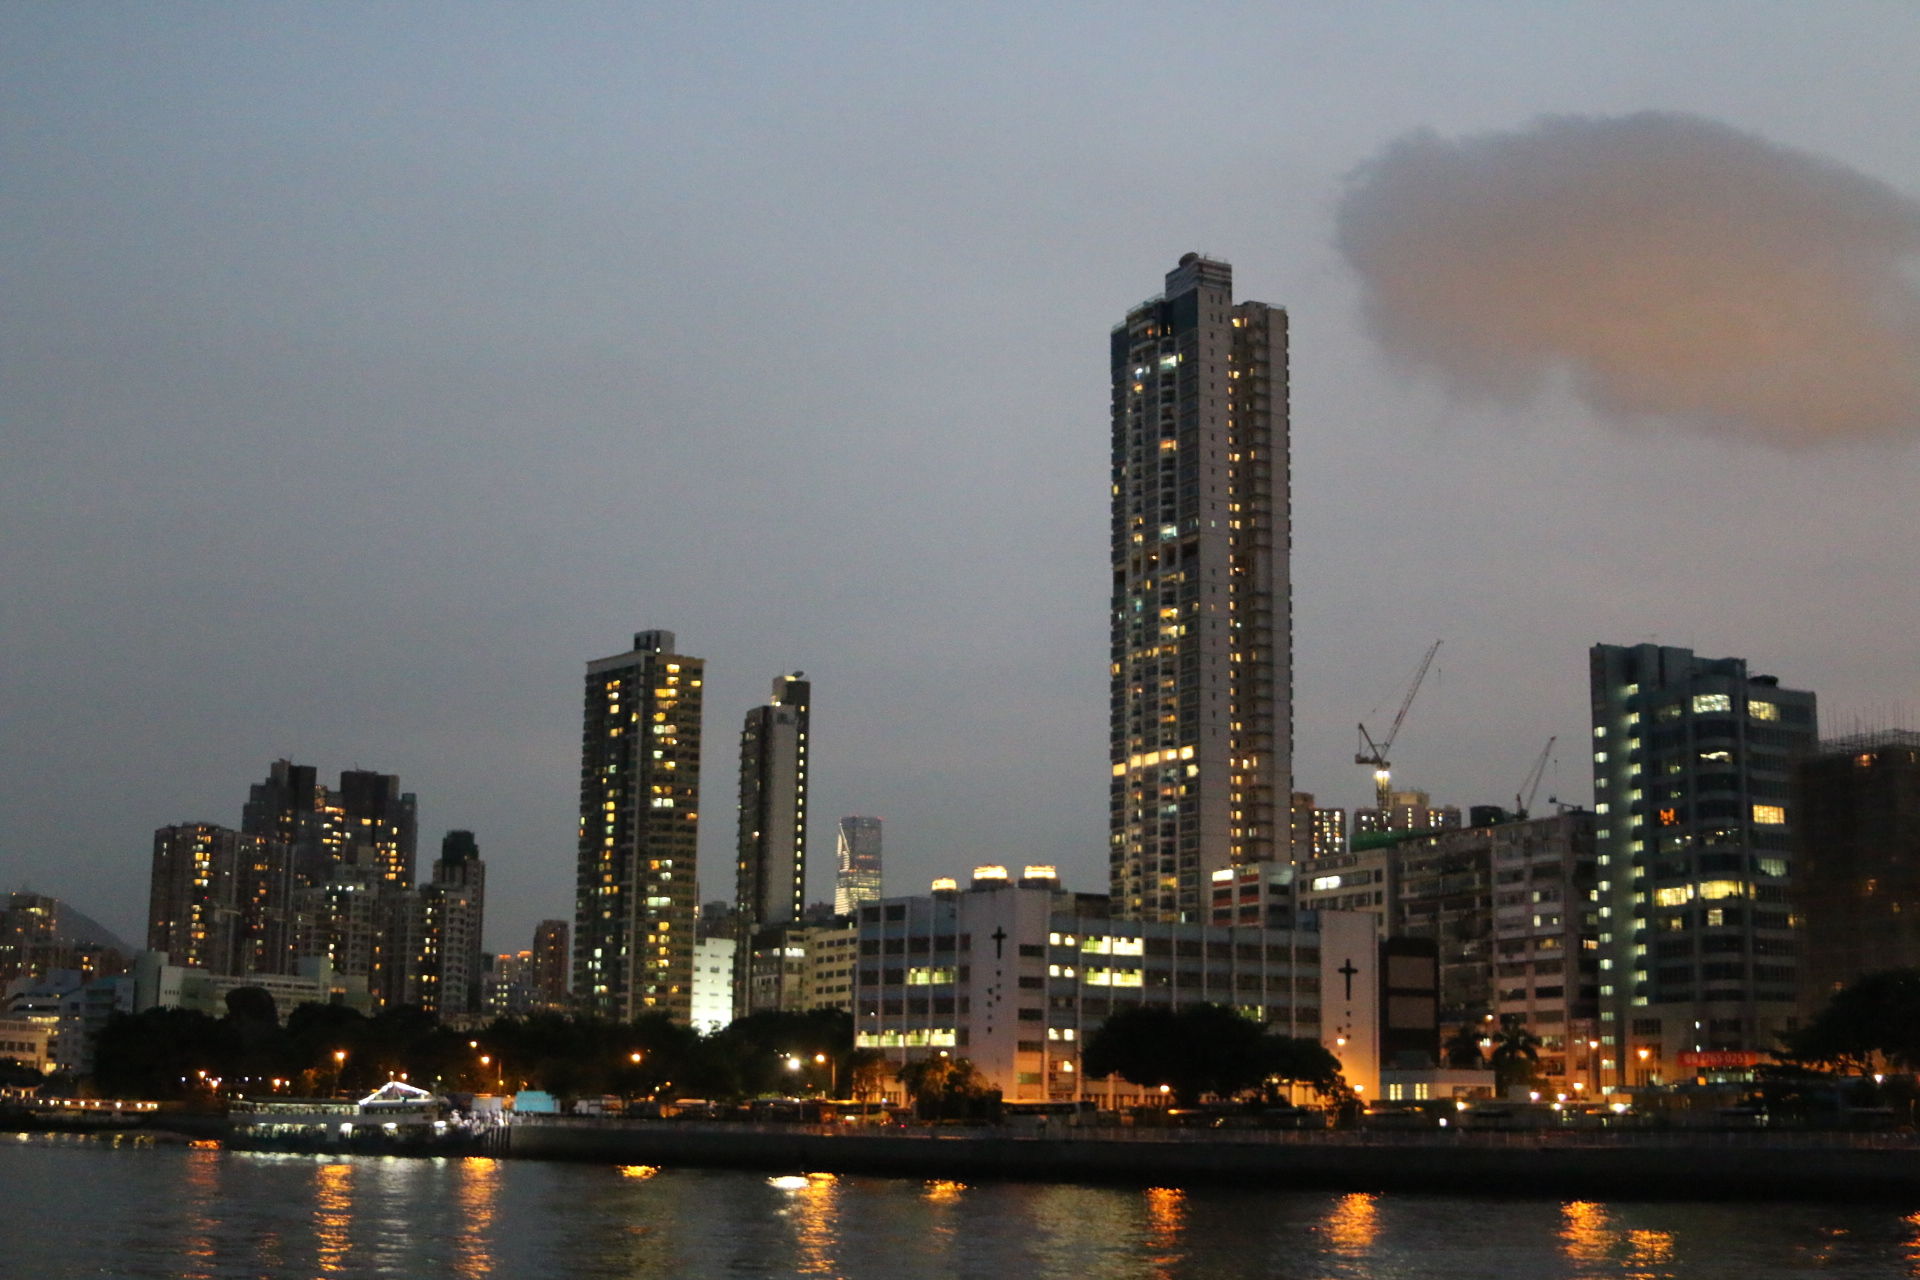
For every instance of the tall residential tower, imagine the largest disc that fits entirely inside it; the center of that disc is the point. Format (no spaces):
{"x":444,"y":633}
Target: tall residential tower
{"x":1201,"y":703}
{"x":635,"y":892}
{"x":771,"y":879}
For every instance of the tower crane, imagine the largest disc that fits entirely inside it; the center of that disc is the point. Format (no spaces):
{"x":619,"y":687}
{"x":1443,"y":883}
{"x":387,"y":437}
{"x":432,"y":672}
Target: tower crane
{"x":1369,"y":752}
{"x":1524,"y":800}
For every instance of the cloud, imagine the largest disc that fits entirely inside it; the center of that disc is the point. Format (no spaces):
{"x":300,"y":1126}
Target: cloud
{"x":1668,"y":268}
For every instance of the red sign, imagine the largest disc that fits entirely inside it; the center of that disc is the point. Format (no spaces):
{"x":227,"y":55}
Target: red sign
{"x":1722,"y":1059}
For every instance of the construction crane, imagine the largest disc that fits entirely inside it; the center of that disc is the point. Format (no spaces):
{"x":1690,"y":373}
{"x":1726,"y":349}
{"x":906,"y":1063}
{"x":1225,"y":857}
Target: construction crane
{"x":1374,"y":753}
{"x":1523,"y":801}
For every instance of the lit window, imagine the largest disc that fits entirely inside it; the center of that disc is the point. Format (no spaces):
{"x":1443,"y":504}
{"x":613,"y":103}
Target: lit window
{"x":1763,"y":710}
{"x":1703,"y":702}
{"x":1769,"y":814}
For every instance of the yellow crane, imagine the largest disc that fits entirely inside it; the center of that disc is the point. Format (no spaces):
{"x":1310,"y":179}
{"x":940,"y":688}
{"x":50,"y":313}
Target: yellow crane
{"x":1369,"y":752}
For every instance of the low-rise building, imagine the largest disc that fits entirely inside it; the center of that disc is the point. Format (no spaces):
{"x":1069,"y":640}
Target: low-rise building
{"x":26,"y":1043}
{"x":1015,"y":974}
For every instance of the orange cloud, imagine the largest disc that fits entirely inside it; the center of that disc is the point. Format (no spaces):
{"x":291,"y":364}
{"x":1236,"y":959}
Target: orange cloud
{"x":1671,"y":269}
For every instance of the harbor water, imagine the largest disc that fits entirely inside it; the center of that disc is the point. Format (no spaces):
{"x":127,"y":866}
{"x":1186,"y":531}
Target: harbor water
{"x":135,"y":1209}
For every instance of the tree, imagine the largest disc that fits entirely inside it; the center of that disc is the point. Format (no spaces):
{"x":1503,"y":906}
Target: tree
{"x":867,"y":1072}
{"x":1515,"y":1057}
{"x":1196,"y":1050}
{"x":1301,"y":1060}
{"x":1462,"y":1049}
{"x":1874,"y":1019}
{"x":944,"y":1087}
{"x":160,"y":1053}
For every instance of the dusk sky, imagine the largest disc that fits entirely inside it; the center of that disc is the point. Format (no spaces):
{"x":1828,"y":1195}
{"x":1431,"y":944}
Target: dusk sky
{"x":367,"y":370}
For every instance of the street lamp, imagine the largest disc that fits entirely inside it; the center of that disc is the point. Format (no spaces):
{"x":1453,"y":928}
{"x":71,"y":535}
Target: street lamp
{"x":339,"y":1067}
{"x":833,"y":1073}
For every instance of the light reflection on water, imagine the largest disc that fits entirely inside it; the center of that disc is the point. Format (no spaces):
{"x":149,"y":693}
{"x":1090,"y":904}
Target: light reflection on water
{"x":159,"y":1211}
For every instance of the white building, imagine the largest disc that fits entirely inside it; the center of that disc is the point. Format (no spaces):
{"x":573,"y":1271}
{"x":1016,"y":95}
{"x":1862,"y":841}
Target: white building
{"x":712,"y":984}
{"x":1014,"y":975}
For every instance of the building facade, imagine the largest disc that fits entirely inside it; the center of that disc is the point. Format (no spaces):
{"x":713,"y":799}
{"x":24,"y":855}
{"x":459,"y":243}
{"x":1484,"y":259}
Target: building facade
{"x":1318,"y":830}
{"x":221,"y":900}
{"x":39,"y":934}
{"x":1857,"y":860}
{"x":551,"y":959}
{"x":1546,"y":943}
{"x":1201,"y":662}
{"x":856,"y":876}
{"x":436,"y":934}
{"x":1408,"y":811}
{"x":712,"y":984}
{"x":771,"y":853}
{"x":635,"y":892}
{"x":1693,"y":762}
{"x":1016,"y":974}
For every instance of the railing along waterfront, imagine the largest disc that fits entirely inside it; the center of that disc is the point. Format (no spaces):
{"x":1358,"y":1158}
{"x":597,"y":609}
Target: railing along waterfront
{"x":1642,"y":1138}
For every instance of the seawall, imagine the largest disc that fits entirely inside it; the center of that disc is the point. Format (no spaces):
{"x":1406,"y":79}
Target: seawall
{"x":1630,"y":1166}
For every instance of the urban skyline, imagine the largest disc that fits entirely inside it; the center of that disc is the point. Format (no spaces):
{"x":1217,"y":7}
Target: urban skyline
{"x":537,"y":392}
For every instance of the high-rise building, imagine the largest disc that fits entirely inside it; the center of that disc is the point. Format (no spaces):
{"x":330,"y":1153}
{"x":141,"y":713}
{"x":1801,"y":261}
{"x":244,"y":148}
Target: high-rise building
{"x":856,"y":877}
{"x":290,"y":806}
{"x":635,"y":892}
{"x":376,"y":814}
{"x":772,"y":864}
{"x":1692,"y":769}
{"x":39,"y":934}
{"x":220,"y":900}
{"x":550,"y":961}
{"x":1202,"y":615}
{"x":445,"y":959}
{"x":1406,"y":811}
{"x":1857,"y":860}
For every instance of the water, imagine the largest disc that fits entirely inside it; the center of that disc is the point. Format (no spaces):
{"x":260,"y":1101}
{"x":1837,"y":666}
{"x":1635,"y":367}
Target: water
{"x":82,"y":1207}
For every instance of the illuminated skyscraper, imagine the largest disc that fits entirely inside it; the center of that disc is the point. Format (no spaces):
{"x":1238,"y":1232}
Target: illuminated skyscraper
{"x":1202,"y":614}
{"x":856,"y":877}
{"x":635,"y":891}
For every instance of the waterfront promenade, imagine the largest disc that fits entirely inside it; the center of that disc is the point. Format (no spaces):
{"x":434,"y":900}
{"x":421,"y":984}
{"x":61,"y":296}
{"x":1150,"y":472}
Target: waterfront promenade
{"x":1651,"y":1164}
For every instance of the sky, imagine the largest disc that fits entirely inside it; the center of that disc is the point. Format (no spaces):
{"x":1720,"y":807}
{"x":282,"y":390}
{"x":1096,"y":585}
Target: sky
{"x":366,"y":370}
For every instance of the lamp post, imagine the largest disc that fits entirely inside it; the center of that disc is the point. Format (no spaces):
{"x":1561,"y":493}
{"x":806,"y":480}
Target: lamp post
{"x":833,"y":1073}
{"x":339,"y":1068}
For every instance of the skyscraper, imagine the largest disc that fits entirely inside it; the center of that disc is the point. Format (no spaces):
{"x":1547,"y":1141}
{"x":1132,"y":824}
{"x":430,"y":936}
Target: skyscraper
{"x":220,"y":900}
{"x":635,"y":890}
{"x":772,"y":862}
{"x":1202,"y":614}
{"x":290,"y":807}
{"x":856,"y":877}
{"x":377,"y":815}
{"x":1692,"y":770}
{"x":452,"y":911}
